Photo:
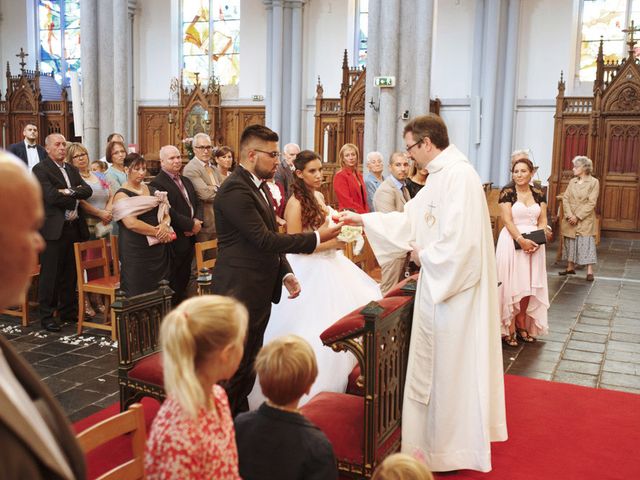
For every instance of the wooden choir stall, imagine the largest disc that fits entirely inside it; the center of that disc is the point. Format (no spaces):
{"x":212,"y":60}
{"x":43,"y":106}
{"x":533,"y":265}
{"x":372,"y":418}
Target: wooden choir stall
{"x":605,"y":128}
{"x":33,"y":97}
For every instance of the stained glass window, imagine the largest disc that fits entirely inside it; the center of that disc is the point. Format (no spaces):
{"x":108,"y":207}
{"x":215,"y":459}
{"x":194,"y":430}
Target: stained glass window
{"x":59,"y":35}
{"x":362,"y":33}
{"x":606,"y":19}
{"x":211,"y":40}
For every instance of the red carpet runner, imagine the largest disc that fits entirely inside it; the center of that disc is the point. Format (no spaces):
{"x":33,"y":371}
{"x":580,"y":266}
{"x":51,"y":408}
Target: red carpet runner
{"x":556,"y":432}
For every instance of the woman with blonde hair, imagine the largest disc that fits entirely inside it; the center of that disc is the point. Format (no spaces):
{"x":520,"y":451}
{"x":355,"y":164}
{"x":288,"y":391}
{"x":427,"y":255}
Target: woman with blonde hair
{"x":348,"y":183}
{"x":578,"y":226}
{"x":192,"y":436}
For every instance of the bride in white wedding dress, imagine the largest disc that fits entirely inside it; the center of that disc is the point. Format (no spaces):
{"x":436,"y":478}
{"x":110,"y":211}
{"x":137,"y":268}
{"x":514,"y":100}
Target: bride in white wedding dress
{"x":332,"y":285}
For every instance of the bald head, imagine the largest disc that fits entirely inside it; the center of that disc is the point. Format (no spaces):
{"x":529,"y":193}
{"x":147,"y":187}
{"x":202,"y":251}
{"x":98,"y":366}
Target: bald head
{"x":22,"y":214}
{"x":170,"y":159}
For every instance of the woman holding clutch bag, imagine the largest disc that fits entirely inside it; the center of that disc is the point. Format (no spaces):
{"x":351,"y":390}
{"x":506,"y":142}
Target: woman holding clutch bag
{"x":578,"y":226}
{"x":332,"y":285}
{"x":143,"y":215}
{"x":522,"y":271}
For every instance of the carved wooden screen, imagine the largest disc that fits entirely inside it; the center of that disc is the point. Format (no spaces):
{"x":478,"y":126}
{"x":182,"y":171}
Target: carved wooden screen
{"x":606,"y":128}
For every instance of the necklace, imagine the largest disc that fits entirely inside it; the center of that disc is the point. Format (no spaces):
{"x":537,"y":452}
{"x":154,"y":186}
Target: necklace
{"x":85,"y":176}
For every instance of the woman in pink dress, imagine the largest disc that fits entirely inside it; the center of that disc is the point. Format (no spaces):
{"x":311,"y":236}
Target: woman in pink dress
{"x":192,"y":436}
{"x":524,"y":298}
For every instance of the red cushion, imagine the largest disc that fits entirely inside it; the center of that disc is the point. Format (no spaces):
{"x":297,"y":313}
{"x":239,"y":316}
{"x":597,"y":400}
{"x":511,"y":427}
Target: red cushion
{"x":149,"y":370}
{"x":340,"y":416}
{"x":112,"y":281}
{"x":354,"y":321}
{"x":352,"y":385}
{"x":396,"y":290}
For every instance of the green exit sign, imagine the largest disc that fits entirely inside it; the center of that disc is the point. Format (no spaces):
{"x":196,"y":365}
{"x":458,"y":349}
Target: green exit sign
{"x":384,"y":81}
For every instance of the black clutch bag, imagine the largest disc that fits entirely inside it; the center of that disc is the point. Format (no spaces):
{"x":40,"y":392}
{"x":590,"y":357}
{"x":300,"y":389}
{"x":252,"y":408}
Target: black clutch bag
{"x":537,"y":236}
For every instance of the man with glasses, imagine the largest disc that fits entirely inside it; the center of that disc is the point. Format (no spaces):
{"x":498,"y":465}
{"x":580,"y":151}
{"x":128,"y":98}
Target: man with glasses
{"x":284,"y":174}
{"x":201,"y":173}
{"x":28,"y":150}
{"x":454,"y":392}
{"x":62,"y":189}
{"x":251,"y":264}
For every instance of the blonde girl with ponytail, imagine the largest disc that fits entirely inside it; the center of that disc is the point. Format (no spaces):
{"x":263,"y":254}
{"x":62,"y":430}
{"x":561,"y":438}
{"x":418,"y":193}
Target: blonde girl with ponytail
{"x":192,"y":436}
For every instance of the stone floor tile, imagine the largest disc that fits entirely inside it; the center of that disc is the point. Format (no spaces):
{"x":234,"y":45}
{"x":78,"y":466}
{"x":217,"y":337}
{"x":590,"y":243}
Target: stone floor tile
{"x":624,"y":329}
{"x":537,"y":375}
{"x":55,"y":348}
{"x":625,"y":337}
{"x":586,"y":328}
{"x":576,"y":378}
{"x":58,"y":385}
{"x":604,"y":322}
{"x":106,"y":363}
{"x":106,"y":384}
{"x":579,"y":367}
{"x":621,"y":356}
{"x":108,"y":400}
{"x":64,"y":360}
{"x":581,"y":356}
{"x":621,"y":367}
{"x":80,"y":374}
{"x":620,"y":388}
{"x":45,"y":371}
{"x":622,"y":379}
{"x":623,"y":346}
{"x":77,"y":399}
{"x":84,"y":412}
{"x":589,"y":337}
{"x":585,"y":346}
{"x":35,"y":357}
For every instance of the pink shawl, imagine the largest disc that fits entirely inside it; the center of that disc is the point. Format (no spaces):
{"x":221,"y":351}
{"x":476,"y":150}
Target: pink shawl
{"x":134,"y":206}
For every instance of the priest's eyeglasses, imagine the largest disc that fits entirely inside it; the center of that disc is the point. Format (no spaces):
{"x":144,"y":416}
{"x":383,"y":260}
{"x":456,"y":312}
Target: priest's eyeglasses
{"x":410,"y":147}
{"x":273,"y":154}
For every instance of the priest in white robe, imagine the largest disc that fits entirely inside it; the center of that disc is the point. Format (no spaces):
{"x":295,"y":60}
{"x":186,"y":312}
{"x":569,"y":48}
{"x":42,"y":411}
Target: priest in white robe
{"x":454,"y":393}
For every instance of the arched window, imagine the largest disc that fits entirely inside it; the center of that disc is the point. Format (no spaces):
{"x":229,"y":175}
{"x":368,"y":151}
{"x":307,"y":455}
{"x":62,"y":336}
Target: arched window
{"x":211,"y":40}
{"x":362,"y":31}
{"x":606,"y":19}
{"x":59,"y":37}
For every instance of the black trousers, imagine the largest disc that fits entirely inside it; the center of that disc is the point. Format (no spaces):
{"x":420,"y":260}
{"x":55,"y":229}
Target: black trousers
{"x":57,"y":283}
{"x":240,"y":385}
{"x":181,"y":260}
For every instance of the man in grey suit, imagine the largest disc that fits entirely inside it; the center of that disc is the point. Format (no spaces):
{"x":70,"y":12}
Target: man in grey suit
{"x":36,"y":437}
{"x":391,"y":197}
{"x":202,"y":174}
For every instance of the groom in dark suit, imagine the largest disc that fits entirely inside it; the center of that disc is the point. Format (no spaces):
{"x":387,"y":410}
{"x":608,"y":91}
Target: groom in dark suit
{"x":64,"y":224}
{"x":28,"y":150}
{"x":251,"y":264}
{"x":186,"y":215}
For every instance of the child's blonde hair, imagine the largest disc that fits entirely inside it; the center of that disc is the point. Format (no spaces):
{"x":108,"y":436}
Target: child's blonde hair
{"x":190,"y":333}
{"x":286,"y":368}
{"x":401,"y":466}
{"x":100,"y":164}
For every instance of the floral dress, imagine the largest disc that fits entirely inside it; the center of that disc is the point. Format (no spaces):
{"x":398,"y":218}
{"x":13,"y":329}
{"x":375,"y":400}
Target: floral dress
{"x":182,"y":448}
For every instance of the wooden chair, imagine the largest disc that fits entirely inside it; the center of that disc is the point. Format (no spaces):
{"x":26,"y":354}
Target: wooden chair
{"x":115,"y":255}
{"x":206,"y":254}
{"x":365,"y":429}
{"x":22,"y":311}
{"x":125,"y":423}
{"x":139,"y":361}
{"x":106,"y":285}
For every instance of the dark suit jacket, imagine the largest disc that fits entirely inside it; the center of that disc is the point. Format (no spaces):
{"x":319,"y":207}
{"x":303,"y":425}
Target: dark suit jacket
{"x":350,"y":194}
{"x":285,"y":176}
{"x":274,"y":443}
{"x":22,"y":456}
{"x":20,"y":150}
{"x":180,"y":213}
{"x":55,"y":203}
{"x":251,"y":260}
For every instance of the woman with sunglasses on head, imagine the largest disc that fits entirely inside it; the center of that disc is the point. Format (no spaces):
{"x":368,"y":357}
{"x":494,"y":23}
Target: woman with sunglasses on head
{"x":524,"y":297}
{"x":332,"y":285}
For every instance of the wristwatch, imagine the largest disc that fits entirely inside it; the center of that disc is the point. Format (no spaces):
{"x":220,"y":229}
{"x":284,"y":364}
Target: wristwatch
{"x":66,"y":191}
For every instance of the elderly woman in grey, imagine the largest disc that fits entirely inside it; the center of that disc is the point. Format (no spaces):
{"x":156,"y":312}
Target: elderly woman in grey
{"x":578,"y":225}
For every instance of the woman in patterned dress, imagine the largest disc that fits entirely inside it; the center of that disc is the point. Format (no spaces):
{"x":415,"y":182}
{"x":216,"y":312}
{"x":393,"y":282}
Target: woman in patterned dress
{"x":192,"y":436}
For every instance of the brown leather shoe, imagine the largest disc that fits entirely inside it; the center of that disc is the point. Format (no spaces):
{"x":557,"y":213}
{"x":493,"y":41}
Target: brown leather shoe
{"x":589,"y":277}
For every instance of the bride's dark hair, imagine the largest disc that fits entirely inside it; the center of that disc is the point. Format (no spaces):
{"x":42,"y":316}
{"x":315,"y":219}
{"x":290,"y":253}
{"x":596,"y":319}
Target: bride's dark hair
{"x":312,"y":213}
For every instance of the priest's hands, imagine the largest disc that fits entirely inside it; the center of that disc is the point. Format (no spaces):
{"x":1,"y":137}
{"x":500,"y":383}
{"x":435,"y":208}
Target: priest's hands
{"x":327,"y":232}
{"x":349,"y":218}
{"x":292,"y":285}
{"x":415,"y":253}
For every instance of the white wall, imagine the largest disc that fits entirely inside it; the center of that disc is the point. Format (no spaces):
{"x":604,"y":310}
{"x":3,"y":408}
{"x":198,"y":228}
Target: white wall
{"x":253,"y":49}
{"x":17,"y":27}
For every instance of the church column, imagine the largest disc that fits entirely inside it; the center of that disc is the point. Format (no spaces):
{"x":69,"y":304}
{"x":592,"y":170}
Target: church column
{"x":296,"y":71}
{"x":371,"y":92}
{"x":269,"y":8}
{"x":121,"y":68}
{"x":89,"y":53}
{"x":105,"y":70}
{"x":389,"y":53}
{"x":275,"y":102}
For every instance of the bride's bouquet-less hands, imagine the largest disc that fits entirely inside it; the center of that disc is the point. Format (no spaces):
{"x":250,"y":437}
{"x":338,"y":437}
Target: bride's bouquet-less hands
{"x":349,"y":233}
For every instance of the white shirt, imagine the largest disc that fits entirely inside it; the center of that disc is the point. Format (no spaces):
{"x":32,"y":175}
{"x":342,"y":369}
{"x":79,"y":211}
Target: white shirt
{"x":68,"y":214}
{"x":32,"y":154}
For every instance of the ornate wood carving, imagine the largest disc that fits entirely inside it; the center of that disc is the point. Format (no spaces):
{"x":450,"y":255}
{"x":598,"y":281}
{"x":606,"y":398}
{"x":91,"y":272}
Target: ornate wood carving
{"x":34,"y":97}
{"x":606,"y":128}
